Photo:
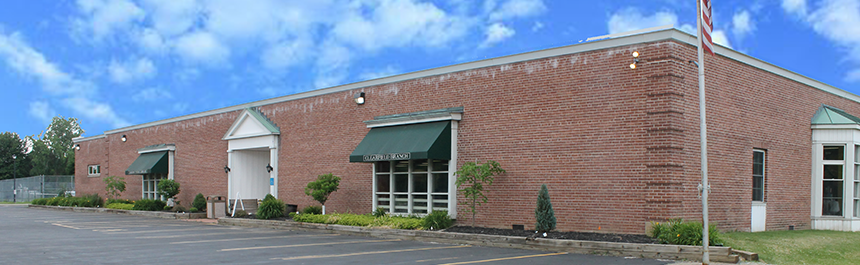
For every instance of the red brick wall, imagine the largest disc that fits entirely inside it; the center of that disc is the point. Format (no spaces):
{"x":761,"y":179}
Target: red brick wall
{"x":616,"y":147}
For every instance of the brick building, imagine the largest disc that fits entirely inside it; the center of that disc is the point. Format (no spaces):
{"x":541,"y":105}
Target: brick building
{"x":617,"y":147}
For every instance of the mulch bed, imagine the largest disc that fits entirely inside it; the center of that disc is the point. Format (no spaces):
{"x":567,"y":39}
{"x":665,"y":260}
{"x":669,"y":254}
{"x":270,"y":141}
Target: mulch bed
{"x":622,"y":238}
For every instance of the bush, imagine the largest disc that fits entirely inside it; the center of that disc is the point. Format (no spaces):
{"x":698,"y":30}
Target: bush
{"x":193,"y":209}
{"x":437,"y":220}
{"x":271,"y":208}
{"x":120,"y":206}
{"x":678,"y":232}
{"x":360,"y":220}
{"x":292,"y":215}
{"x":149,"y":205}
{"x":240,"y":213}
{"x":199,"y":202}
{"x":543,"y":212}
{"x":178,"y":209}
{"x":379,"y":212}
{"x":168,"y":188}
{"x":40,"y":201}
{"x":112,"y":201}
{"x":312,"y":210}
{"x":269,"y":197}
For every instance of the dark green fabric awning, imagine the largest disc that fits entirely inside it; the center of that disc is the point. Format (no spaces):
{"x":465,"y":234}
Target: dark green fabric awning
{"x":149,"y":163}
{"x":415,"y":141}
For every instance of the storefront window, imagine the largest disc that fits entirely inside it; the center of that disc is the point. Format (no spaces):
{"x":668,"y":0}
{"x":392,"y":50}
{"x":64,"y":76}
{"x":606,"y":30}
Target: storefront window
{"x":413,"y":188}
{"x":150,"y":185}
{"x":832,"y":190}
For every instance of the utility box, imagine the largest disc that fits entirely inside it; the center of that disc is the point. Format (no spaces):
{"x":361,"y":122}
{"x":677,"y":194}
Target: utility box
{"x":216,"y":207}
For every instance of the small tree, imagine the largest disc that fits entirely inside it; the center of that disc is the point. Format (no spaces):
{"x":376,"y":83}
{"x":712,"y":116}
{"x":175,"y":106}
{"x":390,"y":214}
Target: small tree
{"x":199,"y":202}
{"x":321,"y":188}
{"x":114,"y":186}
{"x":168,"y":188}
{"x":543,"y":212}
{"x":474,"y":176}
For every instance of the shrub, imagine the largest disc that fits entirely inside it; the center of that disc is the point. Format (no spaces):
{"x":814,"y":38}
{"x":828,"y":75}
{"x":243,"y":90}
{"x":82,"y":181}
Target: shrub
{"x":199,"y":202}
{"x":321,"y":188}
{"x":292,"y":215}
{"x":149,"y":205}
{"x":40,"y":201}
{"x":168,"y":188}
{"x":55,"y":201}
{"x":167,"y":208}
{"x":193,"y":209}
{"x":271,"y":208}
{"x":312,"y":210}
{"x":112,"y":201}
{"x":543,"y":212}
{"x":240,"y":213}
{"x":178,"y":209}
{"x":437,"y":220}
{"x":93,"y":200}
{"x":269,"y":197}
{"x":120,"y":206}
{"x":678,"y":232}
{"x":379,"y":212}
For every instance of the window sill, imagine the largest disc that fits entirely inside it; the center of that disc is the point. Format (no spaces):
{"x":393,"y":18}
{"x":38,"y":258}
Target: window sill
{"x":93,"y":176}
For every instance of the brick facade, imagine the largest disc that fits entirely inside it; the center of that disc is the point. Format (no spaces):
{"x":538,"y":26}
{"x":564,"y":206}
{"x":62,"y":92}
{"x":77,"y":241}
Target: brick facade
{"x":616,"y":147}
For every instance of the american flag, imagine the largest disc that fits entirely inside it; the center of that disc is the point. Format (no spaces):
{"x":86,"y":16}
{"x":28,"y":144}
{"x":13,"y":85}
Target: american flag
{"x":707,"y":26}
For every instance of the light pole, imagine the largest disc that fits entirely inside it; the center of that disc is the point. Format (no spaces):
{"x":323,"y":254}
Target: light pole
{"x":14,"y":178}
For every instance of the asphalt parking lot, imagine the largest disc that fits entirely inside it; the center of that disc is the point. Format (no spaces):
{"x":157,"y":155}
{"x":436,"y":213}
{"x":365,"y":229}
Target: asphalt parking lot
{"x":40,"y":236}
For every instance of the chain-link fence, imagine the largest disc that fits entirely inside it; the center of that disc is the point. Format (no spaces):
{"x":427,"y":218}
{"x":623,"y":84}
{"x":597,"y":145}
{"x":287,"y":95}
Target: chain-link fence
{"x":29,"y":188}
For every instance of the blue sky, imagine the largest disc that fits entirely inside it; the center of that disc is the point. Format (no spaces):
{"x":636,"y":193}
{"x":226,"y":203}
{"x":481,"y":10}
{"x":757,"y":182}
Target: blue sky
{"x":114,"y":63}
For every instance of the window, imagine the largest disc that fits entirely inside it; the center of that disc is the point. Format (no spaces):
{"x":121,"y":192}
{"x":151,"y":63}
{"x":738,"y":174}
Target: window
{"x":758,"y":176}
{"x":412,"y":186}
{"x":833,"y":180}
{"x":857,"y":181}
{"x":150,"y":185}
{"x":94,"y":170}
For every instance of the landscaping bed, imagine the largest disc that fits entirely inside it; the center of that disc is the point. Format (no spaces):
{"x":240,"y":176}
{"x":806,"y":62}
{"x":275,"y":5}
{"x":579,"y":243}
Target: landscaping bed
{"x":622,"y":238}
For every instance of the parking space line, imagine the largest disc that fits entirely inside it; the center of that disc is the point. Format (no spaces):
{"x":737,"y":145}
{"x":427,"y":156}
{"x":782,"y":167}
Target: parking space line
{"x":66,"y":226}
{"x":367,"y":253}
{"x":205,"y":234}
{"x":309,"y":245}
{"x":132,"y":226}
{"x":249,"y":238}
{"x":426,"y":260}
{"x":157,"y":231}
{"x":508,"y":258}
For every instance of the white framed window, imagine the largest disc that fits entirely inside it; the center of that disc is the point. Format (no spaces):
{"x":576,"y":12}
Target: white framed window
{"x":857,"y":181}
{"x":150,"y":186}
{"x":833,"y":180}
{"x":94,"y":170}
{"x":412,"y":186}
{"x":758,"y":173}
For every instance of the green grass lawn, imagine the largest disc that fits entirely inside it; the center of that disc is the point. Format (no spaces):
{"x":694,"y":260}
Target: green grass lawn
{"x":799,"y":247}
{"x":14,"y":202}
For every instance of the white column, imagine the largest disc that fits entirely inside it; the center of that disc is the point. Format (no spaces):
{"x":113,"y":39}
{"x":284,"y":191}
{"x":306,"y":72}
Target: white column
{"x":170,"y":167}
{"x":452,"y":167}
{"x":273,"y":176}
{"x":848,"y":183}
{"x":229,"y":174}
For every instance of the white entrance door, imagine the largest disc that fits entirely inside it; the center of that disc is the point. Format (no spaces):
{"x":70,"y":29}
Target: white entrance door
{"x":249,"y":177}
{"x":758,"y":215}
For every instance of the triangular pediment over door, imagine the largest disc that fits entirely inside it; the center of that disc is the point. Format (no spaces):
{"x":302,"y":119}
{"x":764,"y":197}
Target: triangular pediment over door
{"x":251,"y":123}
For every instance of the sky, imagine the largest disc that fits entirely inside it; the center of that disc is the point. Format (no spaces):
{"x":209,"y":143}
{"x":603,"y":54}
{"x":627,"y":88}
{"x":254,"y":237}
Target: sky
{"x":116,"y":63}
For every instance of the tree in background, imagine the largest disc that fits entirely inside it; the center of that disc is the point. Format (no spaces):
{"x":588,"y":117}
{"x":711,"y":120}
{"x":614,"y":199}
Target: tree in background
{"x":321,"y":188}
{"x":473,"y":176}
{"x":543,"y":212}
{"x":12,"y":145}
{"x":53,"y":153}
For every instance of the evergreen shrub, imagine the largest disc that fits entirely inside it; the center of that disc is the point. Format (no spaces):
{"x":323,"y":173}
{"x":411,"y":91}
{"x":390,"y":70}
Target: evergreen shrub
{"x":543,"y":212}
{"x":199,"y":202}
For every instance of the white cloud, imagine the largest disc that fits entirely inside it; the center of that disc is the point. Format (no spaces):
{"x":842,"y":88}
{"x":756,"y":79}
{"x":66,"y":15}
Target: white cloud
{"x":132,"y":70}
{"x":837,"y":21}
{"x":285,"y":54}
{"x":104,"y":17}
{"x":632,"y":19}
{"x":517,"y":9}
{"x":742,"y":24}
{"x":496,"y":33}
{"x":387,"y":71}
{"x":150,"y":41}
{"x":151,"y":94}
{"x":332,"y":66}
{"x":95,"y":111}
{"x":202,"y":47}
{"x":42,"y":110}
{"x":537,"y":26}
{"x":73,"y":92}
{"x":797,"y":7}
{"x":174,"y":17}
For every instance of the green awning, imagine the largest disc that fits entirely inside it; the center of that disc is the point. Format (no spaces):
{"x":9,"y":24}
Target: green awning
{"x":415,"y":141}
{"x":149,"y":163}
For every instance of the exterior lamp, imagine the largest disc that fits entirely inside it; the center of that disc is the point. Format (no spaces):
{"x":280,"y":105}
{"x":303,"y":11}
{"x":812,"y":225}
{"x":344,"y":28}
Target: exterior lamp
{"x":635,"y":60}
{"x":226,"y":169}
{"x":269,"y":168}
{"x":359,"y":98}
{"x":77,"y":147}
{"x":123,"y":138}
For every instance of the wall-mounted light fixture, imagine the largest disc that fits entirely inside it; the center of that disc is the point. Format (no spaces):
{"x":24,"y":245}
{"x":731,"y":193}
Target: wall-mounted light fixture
{"x":226,"y":169}
{"x":359,"y":98}
{"x":123,"y":138}
{"x":269,"y":168}
{"x":635,"y":60}
{"x":77,"y":147}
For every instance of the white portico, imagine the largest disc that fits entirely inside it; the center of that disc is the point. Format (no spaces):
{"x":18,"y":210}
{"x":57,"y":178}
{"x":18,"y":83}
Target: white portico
{"x":252,"y":156}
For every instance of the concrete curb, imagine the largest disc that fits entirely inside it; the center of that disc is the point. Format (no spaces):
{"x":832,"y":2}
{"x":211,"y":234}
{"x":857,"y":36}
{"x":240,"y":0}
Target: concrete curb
{"x":126,"y":212}
{"x":656,"y":251}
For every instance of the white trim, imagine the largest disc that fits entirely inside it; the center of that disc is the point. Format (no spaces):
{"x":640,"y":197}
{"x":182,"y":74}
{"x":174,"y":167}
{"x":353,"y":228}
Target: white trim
{"x":84,"y":139}
{"x":160,"y":149}
{"x":435,"y":118}
{"x":452,"y":167}
{"x":835,"y":126}
{"x":242,"y":117}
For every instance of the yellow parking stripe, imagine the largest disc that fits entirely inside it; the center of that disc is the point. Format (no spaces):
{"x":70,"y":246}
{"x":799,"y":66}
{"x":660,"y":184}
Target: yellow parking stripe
{"x":508,"y":258}
{"x":367,"y":253}
{"x":309,"y":245}
{"x":249,"y":238}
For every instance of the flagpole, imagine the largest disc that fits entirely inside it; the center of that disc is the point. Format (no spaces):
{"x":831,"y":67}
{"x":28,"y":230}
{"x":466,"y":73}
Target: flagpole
{"x":703,"y":136}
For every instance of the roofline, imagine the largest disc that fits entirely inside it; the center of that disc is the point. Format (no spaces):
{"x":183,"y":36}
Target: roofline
{"x":661,"y":35}
{"x":84,"y":139}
